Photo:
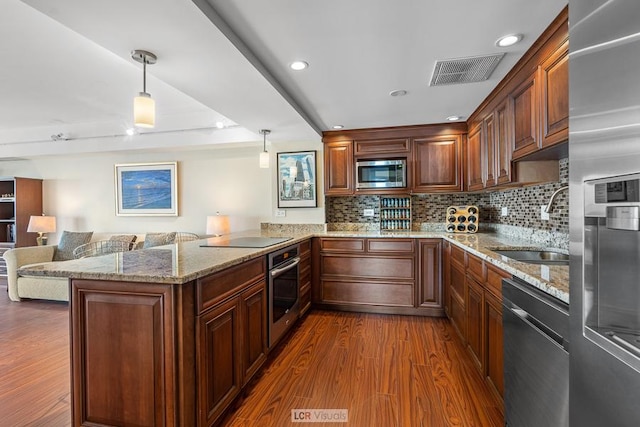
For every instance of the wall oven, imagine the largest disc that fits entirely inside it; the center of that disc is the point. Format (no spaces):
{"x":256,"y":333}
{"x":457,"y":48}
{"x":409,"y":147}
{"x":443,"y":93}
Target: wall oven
{"x":381,"y":173}
{"x":283,"y":279}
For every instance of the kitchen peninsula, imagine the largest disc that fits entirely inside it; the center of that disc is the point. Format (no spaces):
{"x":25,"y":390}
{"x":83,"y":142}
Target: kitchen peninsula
{"x":168,"y":335}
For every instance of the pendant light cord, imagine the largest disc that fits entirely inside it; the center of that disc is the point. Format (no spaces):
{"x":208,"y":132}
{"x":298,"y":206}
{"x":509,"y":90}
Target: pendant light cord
{"x":144,"y":73}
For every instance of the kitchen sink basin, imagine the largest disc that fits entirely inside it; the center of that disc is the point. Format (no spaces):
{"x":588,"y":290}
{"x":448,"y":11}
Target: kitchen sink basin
{"x":533,"y":256}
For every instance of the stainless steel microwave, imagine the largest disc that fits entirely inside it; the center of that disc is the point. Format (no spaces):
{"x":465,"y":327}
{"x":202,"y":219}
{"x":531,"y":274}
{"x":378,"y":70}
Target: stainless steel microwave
{"x":381,"y":173}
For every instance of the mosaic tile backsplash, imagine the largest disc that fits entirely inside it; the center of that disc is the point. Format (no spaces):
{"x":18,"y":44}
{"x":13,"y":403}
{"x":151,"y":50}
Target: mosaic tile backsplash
{"x":428,"y":210}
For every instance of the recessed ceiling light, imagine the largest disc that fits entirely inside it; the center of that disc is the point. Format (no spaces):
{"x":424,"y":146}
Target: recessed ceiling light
{"x":398,"y":92}
{"x":131,"y":131}
{"x":299,"y":65}
{"x":454,"y":118}
{"x":220,"y":125}
{"x":509,"y":40}
{"x":337,"y":127}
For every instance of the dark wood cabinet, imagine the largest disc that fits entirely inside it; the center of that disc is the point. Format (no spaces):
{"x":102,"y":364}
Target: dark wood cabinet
{"x":473,"y":301}
{"x":502,"y":143}
{"x":219,"y":367}
{"x":437,"y":164}
{"x":392,"y":147}
{"x":489,"y":150}
{"x":429,"y":284}
{"x":339,"y":166}
{"x":523,"y":106}
{"x":254,"y":329}
{"x":554,"y":99}
{"x":305,"y":277}
{"x":446,"y":277}
{"x":379,"y":275}
{"x":475,"y":320}
{"x":475,"y":178}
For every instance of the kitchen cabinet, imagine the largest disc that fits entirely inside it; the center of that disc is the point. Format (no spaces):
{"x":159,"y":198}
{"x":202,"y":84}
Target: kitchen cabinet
{"x":437,"y":164}
{"x":339,"y":167}
{"x":253,"y":309}
{"x":386,"y":148}
{"x":379,"y":275}
{"x":502,"y":143}
{"x":554,"y":97}
{"x":523,"y":106}
{"x":473,"y":291}
{"x":304,"y":289}
{"x":475,"y":159}
{"x":430,"y":276}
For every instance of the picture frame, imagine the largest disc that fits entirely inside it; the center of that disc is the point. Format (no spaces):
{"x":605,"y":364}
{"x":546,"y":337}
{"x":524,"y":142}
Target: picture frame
{"x":146,"y":189}
{"x":297,"y":187}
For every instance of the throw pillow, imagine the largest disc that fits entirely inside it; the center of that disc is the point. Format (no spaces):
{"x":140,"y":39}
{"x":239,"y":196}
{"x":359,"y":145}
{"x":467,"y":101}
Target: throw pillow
{"x":127,"y":238}
{"x":158,"y":239}
{"x":68,"y":242}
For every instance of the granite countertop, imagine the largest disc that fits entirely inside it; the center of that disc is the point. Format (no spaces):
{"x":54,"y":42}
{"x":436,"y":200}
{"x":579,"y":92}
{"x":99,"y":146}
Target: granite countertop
{"x":183,"y":262}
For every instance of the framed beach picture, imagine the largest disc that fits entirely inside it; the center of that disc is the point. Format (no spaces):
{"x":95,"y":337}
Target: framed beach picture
{"x":297,"y":180}
{"x":147,"y":189}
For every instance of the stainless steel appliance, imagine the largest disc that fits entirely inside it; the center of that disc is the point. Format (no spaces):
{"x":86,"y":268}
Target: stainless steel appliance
{"x":536,"y":357}
{"x":381,"y":173}
{"x":604,"y":154}
{"x":283,"y":291}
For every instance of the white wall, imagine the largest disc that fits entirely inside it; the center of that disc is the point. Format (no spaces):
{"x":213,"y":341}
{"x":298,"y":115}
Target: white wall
{"x":79,"y":189}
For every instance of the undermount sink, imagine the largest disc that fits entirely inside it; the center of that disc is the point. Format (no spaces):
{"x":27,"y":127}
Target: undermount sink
{"x":536,"y":256}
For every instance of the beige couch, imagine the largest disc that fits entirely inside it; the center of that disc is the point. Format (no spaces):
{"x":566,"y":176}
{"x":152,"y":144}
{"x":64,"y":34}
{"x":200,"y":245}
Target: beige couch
{"x":39,"y":287}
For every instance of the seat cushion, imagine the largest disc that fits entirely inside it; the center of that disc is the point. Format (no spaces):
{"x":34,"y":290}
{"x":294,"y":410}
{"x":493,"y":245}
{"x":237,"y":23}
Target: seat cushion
{"x":158,"y":239}
{"x":68,"y":242}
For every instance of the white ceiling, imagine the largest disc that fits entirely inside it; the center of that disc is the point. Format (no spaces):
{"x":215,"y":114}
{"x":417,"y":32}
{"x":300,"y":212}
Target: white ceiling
{"x":66,"y":67}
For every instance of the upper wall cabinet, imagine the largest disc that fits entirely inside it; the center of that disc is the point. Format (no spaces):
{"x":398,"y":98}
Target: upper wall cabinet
{"x":338,"y":168}
{"x":382,"y":148}
{"x":524,"y":117}
{"x":437,"y":164}
{"x":475,"y":159}
{"x":554,"y":103}
{"x":502,"y":139}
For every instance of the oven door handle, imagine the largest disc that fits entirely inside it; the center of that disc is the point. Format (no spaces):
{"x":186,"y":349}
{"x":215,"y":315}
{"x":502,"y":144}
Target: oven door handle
{"x":277,"y":271}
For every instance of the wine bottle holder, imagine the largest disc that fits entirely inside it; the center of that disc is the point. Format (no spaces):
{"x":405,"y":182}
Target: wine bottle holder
{"x":462,"y":219}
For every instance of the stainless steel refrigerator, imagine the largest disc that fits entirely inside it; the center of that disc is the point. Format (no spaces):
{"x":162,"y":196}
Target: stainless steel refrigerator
{"x":604,"y":153}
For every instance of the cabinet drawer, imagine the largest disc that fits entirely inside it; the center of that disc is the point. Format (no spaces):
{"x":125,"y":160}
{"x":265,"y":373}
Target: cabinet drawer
{"x":390,"y":245}
{"x":305,"y":247}
{"x":371,"y":267}
{"x":345,"y":245}
{"x":494,"y":280}
{"x":218,"y":286}
{"x":387,"y":294}
{"x":475,"y":267}
{"x":457,"y":256}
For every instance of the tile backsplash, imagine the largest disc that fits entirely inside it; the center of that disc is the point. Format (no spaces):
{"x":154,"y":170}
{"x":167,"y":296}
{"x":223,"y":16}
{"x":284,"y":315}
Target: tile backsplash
{"x":428,"y":210}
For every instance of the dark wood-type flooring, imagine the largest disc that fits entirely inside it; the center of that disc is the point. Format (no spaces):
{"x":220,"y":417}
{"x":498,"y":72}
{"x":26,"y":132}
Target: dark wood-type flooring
{"x":386,"y":370}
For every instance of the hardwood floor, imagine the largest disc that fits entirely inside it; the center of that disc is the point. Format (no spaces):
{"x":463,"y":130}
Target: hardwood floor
{"x":386,"y":370}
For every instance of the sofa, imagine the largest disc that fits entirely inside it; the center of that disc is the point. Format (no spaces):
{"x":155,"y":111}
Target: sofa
{"x":21,"y":286}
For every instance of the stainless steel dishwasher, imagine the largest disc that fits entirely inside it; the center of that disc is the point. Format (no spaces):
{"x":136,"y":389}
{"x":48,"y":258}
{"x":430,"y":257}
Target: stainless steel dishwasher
{"x":536,"y":356}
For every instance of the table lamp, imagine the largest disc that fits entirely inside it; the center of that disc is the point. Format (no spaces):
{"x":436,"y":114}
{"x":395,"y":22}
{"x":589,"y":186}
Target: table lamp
{"x":41,"y":224}
{"x":217,"y":224}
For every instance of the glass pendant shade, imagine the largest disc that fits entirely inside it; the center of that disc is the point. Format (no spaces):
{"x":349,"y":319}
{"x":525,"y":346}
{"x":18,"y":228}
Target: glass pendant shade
{"x":144,"y":110}
{"x":264,"y":160}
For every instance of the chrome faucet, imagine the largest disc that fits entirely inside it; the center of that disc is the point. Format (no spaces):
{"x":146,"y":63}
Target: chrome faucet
{"x":547,"y":209}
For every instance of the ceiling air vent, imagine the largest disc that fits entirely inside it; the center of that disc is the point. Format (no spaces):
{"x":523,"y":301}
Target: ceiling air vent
{"x":464,"y":70}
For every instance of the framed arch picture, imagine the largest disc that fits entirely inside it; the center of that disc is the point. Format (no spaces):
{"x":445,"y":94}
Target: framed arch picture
{"x":297,"y":180}
{"x":147,"y":189}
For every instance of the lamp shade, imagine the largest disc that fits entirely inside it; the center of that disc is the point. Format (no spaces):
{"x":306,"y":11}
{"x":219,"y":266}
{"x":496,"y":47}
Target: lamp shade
{"x":217,"y":225}
{"x":144,"y":110}
{"x":264,"y":160}
{"x":42,"y":224}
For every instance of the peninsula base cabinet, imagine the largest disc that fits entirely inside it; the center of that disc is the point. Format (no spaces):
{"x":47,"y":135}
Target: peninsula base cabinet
{"x":378,"y":275}
{"x":473,"y":303}
{"x":150,"y":354}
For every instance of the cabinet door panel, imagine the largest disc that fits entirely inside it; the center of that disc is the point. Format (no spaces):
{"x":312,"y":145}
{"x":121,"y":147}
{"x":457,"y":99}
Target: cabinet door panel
{"x":219,"y":368}
{"x":474,"y":306}
{"x":489,"y":151}
{"x":555,"y":97}
{"x":378,"y":267}
{"x":503,"y":143}
{"x":494,"y":343}
{"x":475,"y":179}
{"x":338,"y":168}
{"x":382,"y":146}
{"x":254,"y":314}
{"x":524,"y":117}
{"x":436,"y":164}
{"x":379,"y":293}
{"x":430,"y":284}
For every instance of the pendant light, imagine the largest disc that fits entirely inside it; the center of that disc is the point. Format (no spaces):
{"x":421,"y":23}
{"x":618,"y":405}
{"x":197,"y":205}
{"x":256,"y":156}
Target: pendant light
{"x":264,"y":156}
{"x":144,"y":107}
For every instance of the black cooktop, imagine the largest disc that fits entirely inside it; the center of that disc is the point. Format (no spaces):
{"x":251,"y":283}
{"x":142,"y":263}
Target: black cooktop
{"x":244,"y":242}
